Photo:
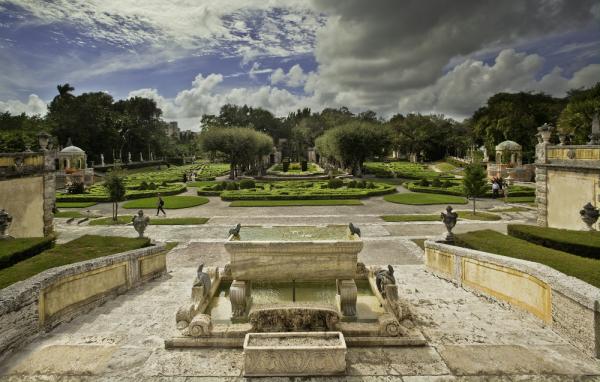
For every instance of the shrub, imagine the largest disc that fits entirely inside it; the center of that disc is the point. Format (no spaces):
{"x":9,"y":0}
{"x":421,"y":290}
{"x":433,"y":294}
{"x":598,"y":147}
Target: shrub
{"x":580,"y":243}
{"x":13,"y":251}
{"x":223,"y":185}
{"x":370,"y":185}
{"x":164,"y":183}
{"x":351,"y":184}
{"x":447,"y":184}
{"x":361,"y":184}
{"x":335,"y":183}
{"x":247,"y":184}
{"x":231,"y":186}
{"x":152,"y":186}
{"x":143,"y":185}
{"x":424,"y":183}
{"x":436,"y":182}
{"x":304,"y":165}
{"x":286,"y":166}
{"x":76,"y":188}
{"x":295,"y":166}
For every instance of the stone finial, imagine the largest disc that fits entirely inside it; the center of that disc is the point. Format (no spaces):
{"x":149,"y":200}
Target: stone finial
{"x":5,"y":221}
{"x":595,"y":135}
{"x":449,"y":219}
{"x":140,"y":222}
{"x":69,"y":142}
{"x":589,"y":215}
{"x":545,"y":132}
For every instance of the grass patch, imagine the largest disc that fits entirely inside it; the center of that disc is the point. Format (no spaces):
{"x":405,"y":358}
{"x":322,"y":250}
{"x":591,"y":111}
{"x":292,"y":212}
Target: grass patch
{"x":70,"y":214}
{"x":126,"y":219}
{"x":84,"y":248}
{"x":444,"y":166}
{"x":414,"y":198}
{"x":520,"y":199}
{"x":14,"y":250}
{"x":75,"y":204}
{"x":480,"y":215}
{"x":419,"y":242}
{"x":288,"y":203}
{"x":580,"y":243}
{"x":510,"y":209}
{"x":411,"y":218}
{"x":490,"y":241}
{"x":171,"y":202}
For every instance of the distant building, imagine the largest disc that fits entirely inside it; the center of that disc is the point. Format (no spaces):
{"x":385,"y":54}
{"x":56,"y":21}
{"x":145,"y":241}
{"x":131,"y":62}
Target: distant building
{"x":72,"y":167}
{"x":173,"y":130}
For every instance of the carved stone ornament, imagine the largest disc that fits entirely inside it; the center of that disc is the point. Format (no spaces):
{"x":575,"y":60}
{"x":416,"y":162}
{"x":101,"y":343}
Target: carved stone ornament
{"x":5,"y":221}
{"x":589,"y":215}
{"x":449,"y":218}
{"x":571,"y":154}
{"x":140,"y":222}
{"x":294,"y":318}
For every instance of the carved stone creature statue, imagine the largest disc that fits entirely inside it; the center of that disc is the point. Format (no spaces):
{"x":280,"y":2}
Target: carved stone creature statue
{"x":203,"y":279}
{"x":5,"y":221}
{"x":236,"y":230}
{"x":140,"y":222}
{"x":354,"y":230}
{"x":384,"y":277}
{"x":589,"y":215}
{"x":449,"y":218}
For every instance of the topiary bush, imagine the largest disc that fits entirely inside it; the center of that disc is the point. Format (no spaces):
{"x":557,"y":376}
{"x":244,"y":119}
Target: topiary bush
{"x":76,"y":188}
{"x":335,"y":183}
{"x":231,"y":186}
{"x":246,"y":184}
{"x":447,"y":184}
{"x":424,"y":183}
{"x":152,"y":186}
{"x":286,"y":166}
{"x":143,"y":185}
{"x":351,"y":184}
{"x":436,"y":182}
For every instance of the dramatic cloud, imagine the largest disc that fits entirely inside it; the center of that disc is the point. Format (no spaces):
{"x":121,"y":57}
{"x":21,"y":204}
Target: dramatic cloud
{"x":34,"y":106}
{"x":295,"y":77}
{"x":370,"y":52}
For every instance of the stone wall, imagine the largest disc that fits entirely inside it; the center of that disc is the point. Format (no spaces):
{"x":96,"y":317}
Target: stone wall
{"x":23,"y":198}
{"x":40,"y":303}
{"x":567,"y":178}
{"x":570,"y":305}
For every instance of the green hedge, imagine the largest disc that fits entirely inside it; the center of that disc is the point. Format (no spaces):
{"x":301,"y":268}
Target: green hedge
{"x":585,"y":269}
{"x":15,"y":250}
{"x":580,"y":243}
{"x":131,"y":194}
{"x":456,"y":189}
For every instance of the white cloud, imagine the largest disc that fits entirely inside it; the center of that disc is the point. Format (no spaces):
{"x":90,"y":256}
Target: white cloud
{"x":294,"y":78}
{"x":34,"y":106}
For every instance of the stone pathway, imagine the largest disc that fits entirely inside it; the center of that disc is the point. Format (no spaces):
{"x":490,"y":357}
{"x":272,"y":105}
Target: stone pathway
{"x":468,"y":336}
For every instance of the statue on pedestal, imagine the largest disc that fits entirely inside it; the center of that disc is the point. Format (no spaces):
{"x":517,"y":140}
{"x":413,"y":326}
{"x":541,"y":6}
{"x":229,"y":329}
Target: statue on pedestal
{"x":140,"y":222}
{"x":449,"y":218}
{"x":589,"y":215}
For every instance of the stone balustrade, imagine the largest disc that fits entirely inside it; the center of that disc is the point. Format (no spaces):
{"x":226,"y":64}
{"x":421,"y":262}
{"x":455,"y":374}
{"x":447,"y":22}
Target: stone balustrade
{"x":57,"y":295}
{"x":569,"y":305}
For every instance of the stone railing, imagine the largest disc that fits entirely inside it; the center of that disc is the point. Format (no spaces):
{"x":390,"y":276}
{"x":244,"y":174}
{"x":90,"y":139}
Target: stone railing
{"x":57,"y":295}
{"x":569,"y":305}
{"x":573,"y":153}
{"x":19,"y":164}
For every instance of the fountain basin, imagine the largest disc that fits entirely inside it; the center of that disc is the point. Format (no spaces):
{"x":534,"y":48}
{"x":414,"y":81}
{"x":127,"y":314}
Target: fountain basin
{"x":294,"y":253}
{"x":294,"y":354}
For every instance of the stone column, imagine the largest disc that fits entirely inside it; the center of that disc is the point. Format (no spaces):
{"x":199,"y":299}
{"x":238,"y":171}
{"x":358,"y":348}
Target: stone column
{"x":239,"y":295}
{"x":541,"y":174}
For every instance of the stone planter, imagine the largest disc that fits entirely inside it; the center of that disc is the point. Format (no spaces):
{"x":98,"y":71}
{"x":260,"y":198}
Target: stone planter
{"x":294,"y":354}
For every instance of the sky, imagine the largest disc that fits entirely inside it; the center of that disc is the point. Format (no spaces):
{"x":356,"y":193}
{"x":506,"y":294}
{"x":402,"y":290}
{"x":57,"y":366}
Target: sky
{"x":389,"y":56}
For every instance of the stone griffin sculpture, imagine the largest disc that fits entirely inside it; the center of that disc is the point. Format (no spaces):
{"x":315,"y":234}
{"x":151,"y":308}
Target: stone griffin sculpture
{"x":140,"y":222}
{"x":384,"y":277}
{"x":5,"y":221}
{"x":589,"y":215}
{"x":354,"y":230}
{"x":235,"y":231}
{"x":202,"y":279}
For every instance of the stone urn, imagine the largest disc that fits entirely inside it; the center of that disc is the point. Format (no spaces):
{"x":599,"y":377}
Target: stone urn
{"x":545,"y":132}
{"x":589,"y":215}
{"x":5,"y":221}
{"x":449,"y":218}
{"x":140,"y":222}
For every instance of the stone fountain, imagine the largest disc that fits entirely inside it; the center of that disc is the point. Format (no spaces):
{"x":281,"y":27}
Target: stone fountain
{"x":296,"y":297}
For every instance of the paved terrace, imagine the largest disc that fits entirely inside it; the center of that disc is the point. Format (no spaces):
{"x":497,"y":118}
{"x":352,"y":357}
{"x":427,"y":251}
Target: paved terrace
{"x":469,"y":337}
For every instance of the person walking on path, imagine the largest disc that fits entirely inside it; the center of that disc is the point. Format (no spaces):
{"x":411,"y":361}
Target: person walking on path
{"x":495,"y":188}
{"x":160,"y":205}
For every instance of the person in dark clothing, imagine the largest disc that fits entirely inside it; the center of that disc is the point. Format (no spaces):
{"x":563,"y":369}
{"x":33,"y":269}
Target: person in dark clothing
{"x":160,"y":205}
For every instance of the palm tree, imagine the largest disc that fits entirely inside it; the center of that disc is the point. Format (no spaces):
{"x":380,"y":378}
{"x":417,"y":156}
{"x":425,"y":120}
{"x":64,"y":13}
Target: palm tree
{"x":64,"y":91}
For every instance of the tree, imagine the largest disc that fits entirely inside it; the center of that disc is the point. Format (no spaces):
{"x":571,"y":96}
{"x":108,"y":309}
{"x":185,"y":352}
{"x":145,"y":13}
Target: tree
{"x":475,"y":181}
{"x":576,"y":118}
{"x":115,"y":185}
{"x":351,"y":144}
{"x":241,"y":147}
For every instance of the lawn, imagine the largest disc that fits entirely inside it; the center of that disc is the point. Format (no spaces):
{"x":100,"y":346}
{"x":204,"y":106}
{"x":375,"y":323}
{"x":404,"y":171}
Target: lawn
{"x":490,"y":241}
{"x":432,"y":218}
{"x":126,"y":219}
{"x":287,"y":203}
{"x":444,"y":166}
{"x":70,"y":214}
{"x":414,"y":198}
{"x":75,"y":204}
{"x":14,"y":250}
{"x":84,"y":248}
{"x":297,"y":190}
{"x":171,"y":202}
{"x":581,"y":243}
{"x":520,"y":199}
